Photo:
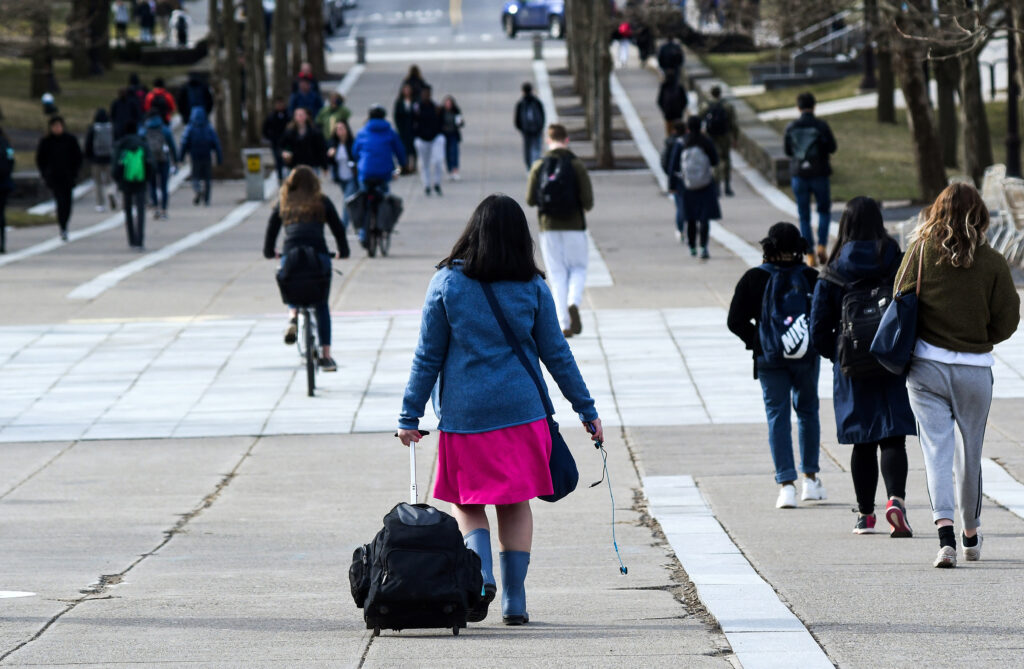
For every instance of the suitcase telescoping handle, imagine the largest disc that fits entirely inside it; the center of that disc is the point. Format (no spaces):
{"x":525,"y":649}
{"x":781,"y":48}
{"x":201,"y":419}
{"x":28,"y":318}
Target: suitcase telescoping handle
{"x":413,"y":495}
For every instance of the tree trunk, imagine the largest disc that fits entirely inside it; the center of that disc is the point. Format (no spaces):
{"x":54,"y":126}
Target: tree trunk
{"x":886,"y":110}
{"x":947,"y":76}
{"x":296,"y":59}
{"x":282,"y":72}
{"x":99,"y":28}
{"x":42,"y":78}
{"x":78,"y":38}
{"x":233,"y":72}
{"x":977,"y":139}
{"x":314,"y":29}
{"x":255,"y":84}
{"x":931,"y":175}
{"x":601,"y":125}
{"x":579,"y":28}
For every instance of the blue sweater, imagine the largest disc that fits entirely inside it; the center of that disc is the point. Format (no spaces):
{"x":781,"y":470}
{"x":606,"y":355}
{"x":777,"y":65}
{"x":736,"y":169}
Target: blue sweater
{"x":484,"y":385}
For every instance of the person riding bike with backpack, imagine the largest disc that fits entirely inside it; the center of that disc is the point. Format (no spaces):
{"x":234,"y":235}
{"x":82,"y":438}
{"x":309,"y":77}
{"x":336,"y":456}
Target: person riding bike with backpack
{"x":769,"y":312}
{"x":691,"y":172}
{"x":720,"y":125}
{"x":162,"y":155}
{"x":872,"y":408}
{"x":808,"y":142}
{"x":376,"y":151}
{"x":303,"y":210}
{"x":131,"y":170}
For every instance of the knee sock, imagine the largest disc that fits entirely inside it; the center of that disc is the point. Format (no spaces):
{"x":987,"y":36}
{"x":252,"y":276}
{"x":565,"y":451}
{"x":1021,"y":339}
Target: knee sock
{"x":947,"y":537}
{"x":513,"y":582}
{"x":479,"y":541}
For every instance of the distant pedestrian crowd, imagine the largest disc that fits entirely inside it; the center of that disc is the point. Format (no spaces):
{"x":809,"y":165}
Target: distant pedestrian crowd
{"x":167,"y":18}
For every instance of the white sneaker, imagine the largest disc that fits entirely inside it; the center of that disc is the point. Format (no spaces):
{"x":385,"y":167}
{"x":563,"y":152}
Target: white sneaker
{"x":787,"y":497}
{"x":946,"y":559}
{"x":814,"y":489}
{"x":973,"y":553}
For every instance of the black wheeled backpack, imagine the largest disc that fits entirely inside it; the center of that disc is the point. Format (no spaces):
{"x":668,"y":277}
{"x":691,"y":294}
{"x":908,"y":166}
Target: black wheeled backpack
{"x":861,"y":310}
{"x":417,"y":572}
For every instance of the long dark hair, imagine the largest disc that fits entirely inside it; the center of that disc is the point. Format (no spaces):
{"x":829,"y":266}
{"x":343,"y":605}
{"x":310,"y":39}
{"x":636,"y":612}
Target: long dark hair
{"x":783,"y":243}
{"x":496,"y":244}
{"x":861,"y":222}
{"x":300,"y":199}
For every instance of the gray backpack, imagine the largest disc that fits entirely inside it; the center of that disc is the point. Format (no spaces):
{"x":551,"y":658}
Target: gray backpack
{"x":102,"y":140}
{"x":157,"y":144}
{"x":695,"y":168}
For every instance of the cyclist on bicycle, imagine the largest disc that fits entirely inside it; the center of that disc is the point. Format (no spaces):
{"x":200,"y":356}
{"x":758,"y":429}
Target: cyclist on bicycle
{"x":375,"y":151}
{"x":303,"y":210}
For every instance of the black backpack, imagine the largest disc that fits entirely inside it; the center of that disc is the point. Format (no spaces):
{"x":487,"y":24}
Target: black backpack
{"x":557,"y":192}
{"x":784,"y":328}
{"x":416,"y":573}
{"x":531,"y":116}
{"x":863,"y":304}
{"x":716,"y":121}
{"x":304,"y":279}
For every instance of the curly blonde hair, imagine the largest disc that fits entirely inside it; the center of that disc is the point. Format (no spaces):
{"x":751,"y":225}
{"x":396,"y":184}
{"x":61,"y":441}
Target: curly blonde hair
{"x":300,"y":197}
{"x":956,"y":222}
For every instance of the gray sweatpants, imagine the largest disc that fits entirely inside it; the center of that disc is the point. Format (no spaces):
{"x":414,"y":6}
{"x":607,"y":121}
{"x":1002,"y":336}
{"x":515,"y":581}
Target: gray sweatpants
{"x":944,"y":398}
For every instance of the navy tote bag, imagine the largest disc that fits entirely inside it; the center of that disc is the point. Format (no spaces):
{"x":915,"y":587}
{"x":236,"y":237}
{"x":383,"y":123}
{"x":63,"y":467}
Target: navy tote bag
{"x":893,"y":345}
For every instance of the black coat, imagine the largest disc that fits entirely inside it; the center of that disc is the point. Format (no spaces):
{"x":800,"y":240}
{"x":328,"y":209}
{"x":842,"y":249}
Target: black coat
{"x":274,"y":126}
{"x":403,"y":122}
{"x":123,"y":110}
{"x":426,"y":120}
{"x":670,"y":56}
{"x":306,"y":149}
{"x":59,"y":158}
{"x":826,"y":146}
{"x":867,"y":410}
{"x":306,"y":233}
{"x":192,"y":94}
{"x":672,"y":100}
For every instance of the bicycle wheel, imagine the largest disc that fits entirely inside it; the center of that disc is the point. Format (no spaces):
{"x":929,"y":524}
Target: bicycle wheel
{"x":310,"y":341}
{"x":385,"y":242}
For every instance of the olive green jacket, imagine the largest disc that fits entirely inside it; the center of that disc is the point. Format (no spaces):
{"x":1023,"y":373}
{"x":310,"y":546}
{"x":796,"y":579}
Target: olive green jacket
{"x":328,"y":116}
{"x":586,"y":193}
{"x":730,"y":112}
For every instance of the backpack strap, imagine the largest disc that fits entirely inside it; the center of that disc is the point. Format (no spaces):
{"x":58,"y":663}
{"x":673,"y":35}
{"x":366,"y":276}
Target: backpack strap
{"x":834,"y":277}
{"x":510,"y":337}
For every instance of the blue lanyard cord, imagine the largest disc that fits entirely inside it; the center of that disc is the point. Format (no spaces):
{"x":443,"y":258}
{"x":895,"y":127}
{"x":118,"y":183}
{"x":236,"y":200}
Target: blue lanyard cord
{"x":605,"y":476}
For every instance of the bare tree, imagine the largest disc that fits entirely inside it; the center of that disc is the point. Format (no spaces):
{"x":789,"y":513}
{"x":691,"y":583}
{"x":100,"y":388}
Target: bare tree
{"x":600,"y":94}
{"x":225,"y":72}
{"x":282,"y":73}
{"x":313,"y":20}
{"x":255,"y":41}
{"x":43,"y":78}
{"x":296,"y":58}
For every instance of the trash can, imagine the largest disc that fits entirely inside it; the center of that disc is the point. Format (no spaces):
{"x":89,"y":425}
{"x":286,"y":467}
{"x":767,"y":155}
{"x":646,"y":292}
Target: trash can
{"x":253,"y":162}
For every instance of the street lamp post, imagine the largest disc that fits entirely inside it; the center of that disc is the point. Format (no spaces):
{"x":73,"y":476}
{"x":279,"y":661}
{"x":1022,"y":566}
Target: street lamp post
{"x":1012,"y":109}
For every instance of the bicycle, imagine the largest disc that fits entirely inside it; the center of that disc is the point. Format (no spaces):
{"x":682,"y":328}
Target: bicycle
{"x":307,"y":344}
{"x":376,"y":238}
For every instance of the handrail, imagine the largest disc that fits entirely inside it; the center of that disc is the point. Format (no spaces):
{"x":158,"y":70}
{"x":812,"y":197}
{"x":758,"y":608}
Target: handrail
{"x":842,"y":33}
{"x":820,"y":24}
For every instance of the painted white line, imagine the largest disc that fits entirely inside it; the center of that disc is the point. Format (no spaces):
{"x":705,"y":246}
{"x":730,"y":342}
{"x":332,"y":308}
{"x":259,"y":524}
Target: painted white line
{"x":762,"y":631}
{"x":636,"y":128}
{"x":598,"y":275}
{"x":406,"y":56}
{"x":11,"y":594}
{"x":50,"y":206}
{"x":95,"y":287}
{"x":1001,"y":487}
{"x":350,"y":79}
{"x":763,"y":187}
{"x":74,"y":235}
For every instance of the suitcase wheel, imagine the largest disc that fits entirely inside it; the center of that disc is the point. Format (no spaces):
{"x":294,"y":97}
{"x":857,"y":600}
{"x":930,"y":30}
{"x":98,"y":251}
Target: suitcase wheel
{"x":455,"y":631}
{"x":376,"y":631}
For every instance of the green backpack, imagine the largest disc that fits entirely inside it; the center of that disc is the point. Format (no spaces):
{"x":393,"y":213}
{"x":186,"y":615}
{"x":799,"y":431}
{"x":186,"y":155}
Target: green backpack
{"x":133,"y":165}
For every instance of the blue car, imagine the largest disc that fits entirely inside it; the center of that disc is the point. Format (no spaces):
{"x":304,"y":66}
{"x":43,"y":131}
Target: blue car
{"x":547,"y":15}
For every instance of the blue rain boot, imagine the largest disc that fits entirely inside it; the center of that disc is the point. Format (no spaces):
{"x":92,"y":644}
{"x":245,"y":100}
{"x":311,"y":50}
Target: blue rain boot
{"x":513,"y":583}
{"x":479,"y":541}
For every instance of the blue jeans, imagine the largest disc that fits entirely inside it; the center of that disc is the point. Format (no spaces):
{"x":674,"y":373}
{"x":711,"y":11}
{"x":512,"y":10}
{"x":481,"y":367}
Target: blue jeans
{"x":531,"y":148}
{"x":802,"y":190}
{"x":348,"y":187}
{"x":451,"y":152}
{"x":680,"y":211}
{"x":777,"y":385}
{"x":202,"y":178}
{"x":158,"y":185}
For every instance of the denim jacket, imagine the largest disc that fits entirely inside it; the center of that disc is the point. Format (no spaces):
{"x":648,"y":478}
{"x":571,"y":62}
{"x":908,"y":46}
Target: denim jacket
{"x":483,"y":385}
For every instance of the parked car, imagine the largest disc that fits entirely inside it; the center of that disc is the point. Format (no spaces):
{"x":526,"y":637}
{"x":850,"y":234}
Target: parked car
{"x":548,"y":15}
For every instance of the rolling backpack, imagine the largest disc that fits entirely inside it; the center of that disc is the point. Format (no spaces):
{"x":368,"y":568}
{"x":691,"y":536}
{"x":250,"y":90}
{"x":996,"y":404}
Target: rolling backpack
{"x":784,"y":329}
{"x":417,"y":572}
{"x":862,"y":306}
{"x":557,"y":192}
{"x":716,"y":121}
{"x":695,"y":168}
{"x":102,"y":139}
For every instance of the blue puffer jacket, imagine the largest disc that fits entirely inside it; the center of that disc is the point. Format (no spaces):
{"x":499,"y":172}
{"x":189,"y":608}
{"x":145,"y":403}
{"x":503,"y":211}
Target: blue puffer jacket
{"x":200,"y":139}
{"x":484,"y":385}
{"x":870,"y":409}
{"x":376,"y":149}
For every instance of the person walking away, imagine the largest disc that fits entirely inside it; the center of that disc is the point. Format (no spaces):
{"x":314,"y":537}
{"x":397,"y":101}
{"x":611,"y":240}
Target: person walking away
{"x":720,"y":124}
{"x":131,"y":167}
{"x":769,"y":313}
{"x":59,"y":158}
{"x":429,"y":142}
{"x":405,"y":103}
{"x":163,"y":18}
{"x":161,"y":100}
{"x":305,"y":98}
{"x":122,"y":17}
{"x":343,"y":169}
{"x":331,"y":113}
{"x":672,"y":102}
{"x":302,"y":143}
{"x":494,"y":442}
{"x":559,"y":186}
{"x":274,"y":126}
{"x":303,"y":210}
{"x":529,"y":120}
{"x":966,"y":304}
{"x":195,"y":93}
{"x":306,"y":72}
{"x":199,"y":141}
{"x":124,"y":108}
{"x":623,"y":35}
{"x":809,"y":142}
{"x":452,"y":123}
{"x":136,"y":88}
{"x":414,"y":80}
{"x":180,"y":22}
{"x":99,"y":150}
{"x":162,"y":155}
{"x":670,"y":59}
{"x":376,"y":151}
{"x":693,"y":162}
{"x":871,"y":406}
{"x":6,"y":185}
{"x":671,"y":151}
{"x":144,"y":12}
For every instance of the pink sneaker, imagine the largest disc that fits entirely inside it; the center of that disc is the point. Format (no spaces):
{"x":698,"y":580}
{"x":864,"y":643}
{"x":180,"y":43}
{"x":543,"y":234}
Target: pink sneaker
{"x":896,"y":514}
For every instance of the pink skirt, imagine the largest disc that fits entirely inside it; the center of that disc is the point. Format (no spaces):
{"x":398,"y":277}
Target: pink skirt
{"x":498,"y":467}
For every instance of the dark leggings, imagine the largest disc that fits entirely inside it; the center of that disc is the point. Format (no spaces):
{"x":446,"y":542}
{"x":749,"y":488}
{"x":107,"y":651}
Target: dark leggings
{"x":695,"y":226}
{"x":864,"y":467}
{"x":63,"y":194}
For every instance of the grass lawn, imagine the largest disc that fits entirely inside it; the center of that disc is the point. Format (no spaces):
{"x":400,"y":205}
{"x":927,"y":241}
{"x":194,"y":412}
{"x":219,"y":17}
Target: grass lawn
{"x":732,"y":67}
{"x":876,"y":159}
{"x":786,"y":97}
{"x":20,"y":218}
{"x":78,"y":99}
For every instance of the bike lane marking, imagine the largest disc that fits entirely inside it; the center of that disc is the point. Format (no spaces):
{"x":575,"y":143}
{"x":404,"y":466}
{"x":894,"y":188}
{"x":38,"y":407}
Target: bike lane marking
{"x":1001,"y":487}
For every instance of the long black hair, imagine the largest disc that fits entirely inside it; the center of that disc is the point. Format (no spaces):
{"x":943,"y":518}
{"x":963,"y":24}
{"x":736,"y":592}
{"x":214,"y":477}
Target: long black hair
{"x":861,"y":221}
{"x":783,"y":243}
{"x":496,"y":244}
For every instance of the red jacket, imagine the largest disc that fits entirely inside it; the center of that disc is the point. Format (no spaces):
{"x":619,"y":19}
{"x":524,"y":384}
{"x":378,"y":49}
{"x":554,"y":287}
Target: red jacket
{"x":168,"y":105}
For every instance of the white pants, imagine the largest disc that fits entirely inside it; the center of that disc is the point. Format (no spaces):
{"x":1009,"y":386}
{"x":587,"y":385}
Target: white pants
{"x":431,"y":157}
{"x":565,"y":257}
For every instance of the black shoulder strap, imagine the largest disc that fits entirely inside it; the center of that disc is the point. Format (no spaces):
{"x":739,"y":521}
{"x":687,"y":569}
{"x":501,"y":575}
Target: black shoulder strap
{"x":830,"y":275}
{"x":510,"y":337}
